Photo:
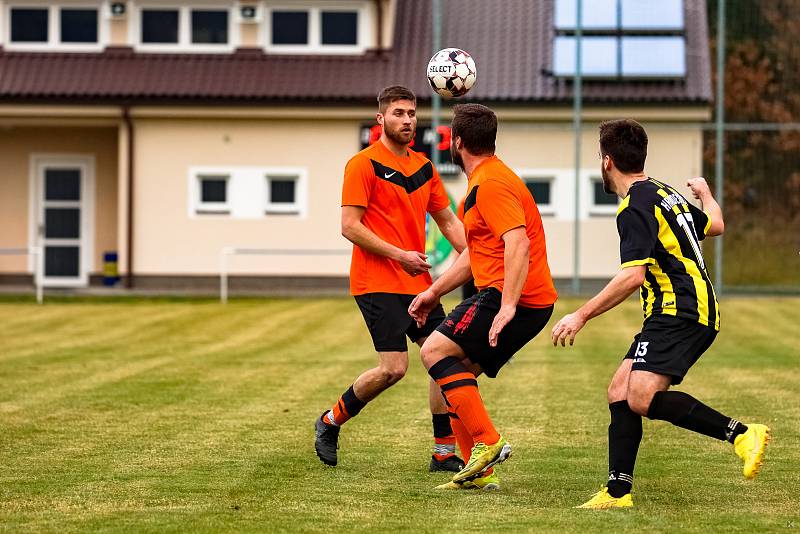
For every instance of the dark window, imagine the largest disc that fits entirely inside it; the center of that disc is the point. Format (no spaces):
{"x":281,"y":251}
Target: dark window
{"x":29,"y":25}
{"x":210,"y":27}
{"x":339,"y":27}
{"x":62,"y":223}
{"x":62,"y":184}
{"x":289,"y":27}
{"x":282,"y":191}
{"x":78,"y":25}
{"x":160,"y":26}
{"x":214,"y":190}
{"x":61,"y":261}
{"x":601,"y":198}
{"x":540,"y":189}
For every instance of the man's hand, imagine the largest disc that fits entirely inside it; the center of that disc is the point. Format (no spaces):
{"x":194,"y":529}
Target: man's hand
{"x":413,"y":262}
{"x":699,"y":187}
{"x":502,"y":318}
{"x":567,"y":327}
{"x":422,"y":305}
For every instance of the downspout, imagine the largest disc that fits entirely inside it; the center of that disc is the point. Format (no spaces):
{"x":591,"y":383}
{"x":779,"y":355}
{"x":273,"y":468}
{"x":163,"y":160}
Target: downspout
{"x":126,"y":117}
{"x":379,"y":16}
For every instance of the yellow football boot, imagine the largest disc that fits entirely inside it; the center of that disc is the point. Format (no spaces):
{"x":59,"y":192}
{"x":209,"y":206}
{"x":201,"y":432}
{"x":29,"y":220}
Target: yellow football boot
{"x":482,"y":458}
{"x":602,"y":500}
{"x":750,"y":447}
{"x":490,"y":482}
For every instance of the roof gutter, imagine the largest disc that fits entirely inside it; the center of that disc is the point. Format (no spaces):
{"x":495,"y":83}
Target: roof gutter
{"x":126,"y":117}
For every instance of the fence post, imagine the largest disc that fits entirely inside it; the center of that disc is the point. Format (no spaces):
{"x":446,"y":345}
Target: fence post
{"x":223,"y":274}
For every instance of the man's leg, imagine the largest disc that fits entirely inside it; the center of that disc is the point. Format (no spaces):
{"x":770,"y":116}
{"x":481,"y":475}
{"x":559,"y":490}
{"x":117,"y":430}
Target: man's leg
{"x":391,"y":368}
{"x":624,"y":433}
{"x":449,"y":367}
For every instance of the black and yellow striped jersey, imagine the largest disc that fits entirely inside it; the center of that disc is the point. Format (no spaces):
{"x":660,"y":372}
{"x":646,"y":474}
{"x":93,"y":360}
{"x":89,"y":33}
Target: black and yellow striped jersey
{"x":659,"y":228}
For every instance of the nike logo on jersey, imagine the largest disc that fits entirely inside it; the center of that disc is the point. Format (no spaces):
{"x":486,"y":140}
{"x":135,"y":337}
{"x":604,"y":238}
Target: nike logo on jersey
{"x":409,"y":183}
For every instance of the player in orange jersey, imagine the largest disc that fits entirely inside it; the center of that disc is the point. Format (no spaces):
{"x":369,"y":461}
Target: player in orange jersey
{"x":388,"y":190}
{"x":507,"y":258}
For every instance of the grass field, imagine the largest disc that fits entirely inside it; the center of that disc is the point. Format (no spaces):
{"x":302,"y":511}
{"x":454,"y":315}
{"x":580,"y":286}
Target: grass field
{"x":190,"y":416}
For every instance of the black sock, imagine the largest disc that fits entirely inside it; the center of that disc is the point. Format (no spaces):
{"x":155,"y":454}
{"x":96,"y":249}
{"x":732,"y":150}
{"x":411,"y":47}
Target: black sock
{"x":683,"y":410}
{"x":441,"y":425}
{"x":624,"y":436}
{"x":352,"y":404}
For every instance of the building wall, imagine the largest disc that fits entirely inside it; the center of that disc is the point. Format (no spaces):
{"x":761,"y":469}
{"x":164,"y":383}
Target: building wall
{"x":17,"y":144}
{"x":171,"y":239}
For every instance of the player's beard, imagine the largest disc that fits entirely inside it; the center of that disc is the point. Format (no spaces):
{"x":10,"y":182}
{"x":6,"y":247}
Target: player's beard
{"x":608,"y":187}
{"x":399,"y":135}
{"x":456,"y":157}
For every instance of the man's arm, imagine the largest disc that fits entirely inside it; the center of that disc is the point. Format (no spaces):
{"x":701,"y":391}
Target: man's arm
{"x":456,"y":276}
{"x":451,"y":228}
{"x":618,"y":289}
{"x":412,"y":261}
{"x":516,"y":257}
{"x":702,"y":192}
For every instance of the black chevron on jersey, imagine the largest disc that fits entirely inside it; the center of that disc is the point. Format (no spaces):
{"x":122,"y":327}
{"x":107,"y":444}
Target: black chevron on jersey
{"x":409,"y":183}
{"x":471,"y":199}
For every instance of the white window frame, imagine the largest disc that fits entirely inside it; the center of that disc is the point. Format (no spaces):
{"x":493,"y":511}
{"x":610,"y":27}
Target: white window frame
{"x":53,"y":43}
{"x":298,"y":208}
{"x":314,"y":45}
{"x":544,"y":209}
{"x":211,"y":208}
{"x":184,"y":43}
{"x":595,"y":210}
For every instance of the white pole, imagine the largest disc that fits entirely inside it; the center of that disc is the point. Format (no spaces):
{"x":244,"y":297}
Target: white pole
{"x":38,"y":260}
{"x":223,"y":275}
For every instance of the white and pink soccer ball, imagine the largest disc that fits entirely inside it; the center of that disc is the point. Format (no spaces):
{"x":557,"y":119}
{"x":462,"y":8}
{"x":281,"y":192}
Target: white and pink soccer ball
{"x":451,"y":72}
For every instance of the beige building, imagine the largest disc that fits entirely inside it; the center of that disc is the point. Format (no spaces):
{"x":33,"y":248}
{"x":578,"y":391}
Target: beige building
{"x":170,"y":134}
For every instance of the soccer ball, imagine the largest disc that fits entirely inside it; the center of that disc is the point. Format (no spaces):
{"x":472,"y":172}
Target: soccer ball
{"x":451,"y":72}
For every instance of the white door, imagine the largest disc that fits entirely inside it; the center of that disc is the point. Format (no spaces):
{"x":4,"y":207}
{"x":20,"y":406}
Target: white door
{"x":64,"y":192}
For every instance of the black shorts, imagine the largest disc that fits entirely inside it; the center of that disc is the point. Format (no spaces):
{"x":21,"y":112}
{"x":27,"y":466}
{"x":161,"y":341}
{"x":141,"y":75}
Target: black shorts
{"x":469,"y":323}
{"x":388,"y":321}
{"x":669,"y":346}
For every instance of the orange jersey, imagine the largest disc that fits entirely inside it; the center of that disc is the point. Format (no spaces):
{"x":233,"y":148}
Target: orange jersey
{"x":498,"y":201}
{"x":396,"y":191}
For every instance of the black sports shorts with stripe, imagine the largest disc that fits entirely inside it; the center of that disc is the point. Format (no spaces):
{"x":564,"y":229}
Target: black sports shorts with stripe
{"x":669,"y":346}
{"x":388,"y":321}
{"x":469,"y":323}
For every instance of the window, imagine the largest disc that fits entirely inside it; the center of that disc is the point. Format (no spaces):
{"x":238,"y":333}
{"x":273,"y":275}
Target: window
{"x":160,"y":26}
{"x":56,"y":27}
{"x":290,"y":27}
{"x":621,"y":39}
{"x":79,"y":26}
{"x":602,"y":203}
{"x":209,"y":27}
{"x":339,"y":28}
{"x":167,"y":29}
{"x":282,"y":195}
{"x":29,"y":25}
{"x":541,"y":189}
{"x":318,"y":29}
{"x":213,"y":194}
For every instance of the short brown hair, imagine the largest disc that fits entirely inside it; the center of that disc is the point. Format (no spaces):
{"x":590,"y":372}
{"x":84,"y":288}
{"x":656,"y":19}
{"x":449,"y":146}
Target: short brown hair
{"x":626,"y":142}
{"x":476,"y":125}
{"x":393,"y":94}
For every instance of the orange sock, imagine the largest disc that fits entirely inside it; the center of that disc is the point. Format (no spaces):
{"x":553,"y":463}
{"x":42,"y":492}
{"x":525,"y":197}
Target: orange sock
{"x":463,"y":438}
{"x":461,"y":391}
{"x":346,"y":407}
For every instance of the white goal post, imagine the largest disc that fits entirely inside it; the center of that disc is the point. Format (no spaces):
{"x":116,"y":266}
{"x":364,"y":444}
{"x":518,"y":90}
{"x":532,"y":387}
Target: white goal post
{"x":36,"y":255}
{"x":227,"y":252}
